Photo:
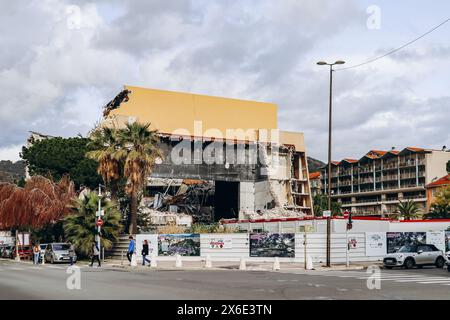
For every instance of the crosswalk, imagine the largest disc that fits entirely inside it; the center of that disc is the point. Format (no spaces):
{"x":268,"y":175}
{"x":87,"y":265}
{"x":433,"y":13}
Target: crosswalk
{"x":426,"y":279}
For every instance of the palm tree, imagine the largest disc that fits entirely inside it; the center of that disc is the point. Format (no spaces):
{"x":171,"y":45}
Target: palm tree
{"x":138,"y":153}
{"x":79,"y":226}
{"x":408,"y":210}
{"x":103,"y":145}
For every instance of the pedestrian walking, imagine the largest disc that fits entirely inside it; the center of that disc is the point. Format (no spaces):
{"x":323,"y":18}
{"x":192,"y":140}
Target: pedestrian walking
{"x":71,"y":253}
{"x":36,"y":253}
{"x":145,"y":253}
{"x":95,"y":254}
{"x":131,"y":248}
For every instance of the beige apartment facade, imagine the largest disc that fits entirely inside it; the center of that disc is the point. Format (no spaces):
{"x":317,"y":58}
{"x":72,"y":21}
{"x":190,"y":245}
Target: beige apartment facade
{"x":378,"y":181}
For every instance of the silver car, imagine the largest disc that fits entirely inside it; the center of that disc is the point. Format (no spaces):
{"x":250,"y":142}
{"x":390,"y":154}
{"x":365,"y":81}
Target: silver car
{"x":415,"y":255}
{"x":58,"y":252}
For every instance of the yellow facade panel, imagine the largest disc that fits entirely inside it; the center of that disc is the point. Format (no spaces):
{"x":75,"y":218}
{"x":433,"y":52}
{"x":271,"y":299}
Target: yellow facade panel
{"x":170,"y":111}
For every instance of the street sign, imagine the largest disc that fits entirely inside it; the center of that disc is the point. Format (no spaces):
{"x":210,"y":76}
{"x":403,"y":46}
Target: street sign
{"x":346,"y":214}
{"x":326,"y":213}
{"x":99,"y":222}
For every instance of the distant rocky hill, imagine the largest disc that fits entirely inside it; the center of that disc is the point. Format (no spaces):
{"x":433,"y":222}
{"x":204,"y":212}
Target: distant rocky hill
{"x":314,"y":164}
{"x":11,"y":171}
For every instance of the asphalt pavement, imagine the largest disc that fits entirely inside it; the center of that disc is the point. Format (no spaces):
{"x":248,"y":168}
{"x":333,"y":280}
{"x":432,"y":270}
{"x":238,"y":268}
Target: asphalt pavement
{"x":25,"y":281}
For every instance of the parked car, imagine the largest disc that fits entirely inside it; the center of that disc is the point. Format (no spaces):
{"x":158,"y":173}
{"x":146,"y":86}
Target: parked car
{"x":25,"y":252}
{"x":415,"y":255}
{"x":58,"y":252}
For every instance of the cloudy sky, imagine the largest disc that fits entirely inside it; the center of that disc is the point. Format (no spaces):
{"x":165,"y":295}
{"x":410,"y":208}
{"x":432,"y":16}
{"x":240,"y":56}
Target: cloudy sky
{"x":61,"y":61}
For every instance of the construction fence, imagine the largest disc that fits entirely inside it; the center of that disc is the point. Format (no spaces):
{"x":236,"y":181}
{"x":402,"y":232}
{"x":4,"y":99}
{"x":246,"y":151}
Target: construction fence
{"x":288,"y":247}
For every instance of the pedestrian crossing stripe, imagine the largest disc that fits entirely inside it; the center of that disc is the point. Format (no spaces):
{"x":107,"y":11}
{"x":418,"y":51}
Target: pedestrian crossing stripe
{"x":432,"y":282}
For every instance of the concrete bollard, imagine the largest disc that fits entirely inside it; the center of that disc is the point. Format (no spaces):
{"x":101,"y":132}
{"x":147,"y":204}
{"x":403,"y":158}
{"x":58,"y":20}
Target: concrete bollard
{"x":208,"y":263}
{"x":153,"y":263}
{"x":276,"y":264}
{"x":178,"y":261}
{"x":43,"y":260}
{"x":309,"y":263}
{"x":242,"y":265}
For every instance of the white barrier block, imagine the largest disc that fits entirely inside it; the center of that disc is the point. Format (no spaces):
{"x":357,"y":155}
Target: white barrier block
{"x":133,"y":260}
{"x":153,"y":263}
{"x":178,"y":262}
{"x":276,"y":264}
{"x":208,"y":263}
{"x":309,"y":263}
{"x":242,"y":265}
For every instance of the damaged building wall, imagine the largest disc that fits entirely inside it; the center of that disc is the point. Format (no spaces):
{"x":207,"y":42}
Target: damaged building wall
{"x":252,"y":189}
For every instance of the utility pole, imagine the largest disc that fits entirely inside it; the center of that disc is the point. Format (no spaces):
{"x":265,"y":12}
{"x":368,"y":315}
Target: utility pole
{"x":329,"y":156}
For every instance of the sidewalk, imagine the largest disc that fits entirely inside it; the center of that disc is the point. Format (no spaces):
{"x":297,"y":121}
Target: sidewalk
{"x":216,"y":265}
{"x":234,"y":265}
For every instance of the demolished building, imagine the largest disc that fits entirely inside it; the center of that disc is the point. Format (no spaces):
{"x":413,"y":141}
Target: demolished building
{"x":223,"y":158}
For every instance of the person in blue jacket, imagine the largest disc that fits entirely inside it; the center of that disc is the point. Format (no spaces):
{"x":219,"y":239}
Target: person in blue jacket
{"x":131,"y":248}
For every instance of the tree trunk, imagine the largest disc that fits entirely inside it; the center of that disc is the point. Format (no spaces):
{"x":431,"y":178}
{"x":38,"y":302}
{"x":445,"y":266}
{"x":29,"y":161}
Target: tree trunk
{"x":133,"y":213}
{"x":114,"y":191}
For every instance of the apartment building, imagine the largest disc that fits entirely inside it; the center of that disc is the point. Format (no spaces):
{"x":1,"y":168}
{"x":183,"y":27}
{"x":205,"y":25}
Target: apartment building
{"x":316,"y":183}
{"x":378,"y":181}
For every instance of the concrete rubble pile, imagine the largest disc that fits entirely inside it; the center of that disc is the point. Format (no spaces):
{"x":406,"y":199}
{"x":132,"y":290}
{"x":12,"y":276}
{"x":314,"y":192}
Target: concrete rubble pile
{"x":191,"y":203}
{"x":274,"y":213}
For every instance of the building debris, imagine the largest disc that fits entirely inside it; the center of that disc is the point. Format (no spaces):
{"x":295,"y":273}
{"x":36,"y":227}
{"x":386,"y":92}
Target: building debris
{"x":115,"y":103}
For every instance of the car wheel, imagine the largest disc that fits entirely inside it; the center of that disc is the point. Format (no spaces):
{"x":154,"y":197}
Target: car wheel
{"x":448,"y":268}
{"x":409,"y":263}
{"x":440,"y":262}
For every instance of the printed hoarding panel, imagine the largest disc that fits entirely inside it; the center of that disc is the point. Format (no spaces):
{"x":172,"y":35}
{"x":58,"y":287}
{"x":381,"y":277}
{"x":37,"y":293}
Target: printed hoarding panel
{"x":437,"y":238}
{"x":221,"y":243}
{"x":447,"y":241}
{"x":272,"y":245}
{"x":185,"y":244}
{"x":395,"y":240}
{"x":152,"y":240}
{"x":376,"y":244}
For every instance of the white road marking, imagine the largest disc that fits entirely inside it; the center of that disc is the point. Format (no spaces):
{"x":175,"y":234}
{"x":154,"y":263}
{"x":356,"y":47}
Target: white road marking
{"x":433,"y":282}
{"x":421,"y":279}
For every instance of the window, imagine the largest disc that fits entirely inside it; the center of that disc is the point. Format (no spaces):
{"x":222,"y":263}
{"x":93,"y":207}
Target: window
{"x":424,"y":248}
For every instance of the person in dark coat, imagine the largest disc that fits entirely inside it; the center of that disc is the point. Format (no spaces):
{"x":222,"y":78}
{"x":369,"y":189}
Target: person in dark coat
{"x":145,"y":253}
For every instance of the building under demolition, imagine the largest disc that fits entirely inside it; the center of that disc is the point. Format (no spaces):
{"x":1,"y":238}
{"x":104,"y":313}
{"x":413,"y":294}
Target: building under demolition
{"x":223,"y":158}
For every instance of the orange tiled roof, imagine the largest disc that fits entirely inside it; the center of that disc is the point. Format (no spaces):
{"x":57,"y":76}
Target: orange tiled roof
{"x":379,"y":153}
{"x":314,"y":175}
{"x":445,"y":180}
{"x":350,"y":160}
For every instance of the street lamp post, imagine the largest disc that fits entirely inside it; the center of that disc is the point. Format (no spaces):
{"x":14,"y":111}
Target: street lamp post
{"x":99,"y":216}
{"x":321,"y":63}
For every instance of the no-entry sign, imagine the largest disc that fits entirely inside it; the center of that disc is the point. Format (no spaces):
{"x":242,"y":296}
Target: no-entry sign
{"x":99,"y":222}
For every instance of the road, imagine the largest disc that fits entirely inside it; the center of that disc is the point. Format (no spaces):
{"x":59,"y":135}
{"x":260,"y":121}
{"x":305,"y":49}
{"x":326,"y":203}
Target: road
{"x":25,"y":281}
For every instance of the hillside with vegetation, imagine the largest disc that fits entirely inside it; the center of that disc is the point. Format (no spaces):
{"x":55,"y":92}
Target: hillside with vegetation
{"x":314,"y":164}
{"x":11,"y":171}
